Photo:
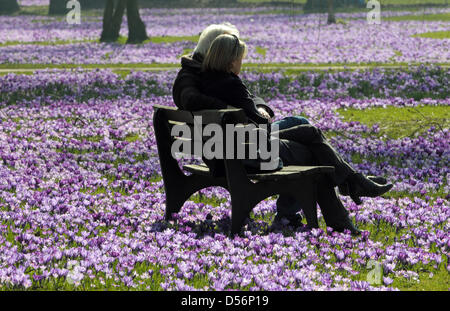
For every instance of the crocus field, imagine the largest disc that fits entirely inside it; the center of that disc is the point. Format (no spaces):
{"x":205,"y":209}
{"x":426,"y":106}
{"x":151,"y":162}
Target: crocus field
{"x":81,"y":195}
{"x":82,"y":202}
{"x":290,"y":37}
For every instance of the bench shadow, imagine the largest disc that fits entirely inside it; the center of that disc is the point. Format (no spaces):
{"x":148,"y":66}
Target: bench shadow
{"x":211,"y":228}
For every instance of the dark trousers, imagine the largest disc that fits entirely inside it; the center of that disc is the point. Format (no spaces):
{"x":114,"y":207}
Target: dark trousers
{"x":306,"y":145}
{"x":323,"y":153}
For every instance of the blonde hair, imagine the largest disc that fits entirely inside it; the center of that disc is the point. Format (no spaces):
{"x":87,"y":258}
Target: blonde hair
{"x":210,"y":33}
{"x":224,"y":50}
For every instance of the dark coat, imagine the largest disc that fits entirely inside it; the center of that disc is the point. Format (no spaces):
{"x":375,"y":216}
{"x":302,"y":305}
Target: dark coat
{"x":229,"y":88}
{"x":186,"y":88}
{"x":186,"y":93}
{"x":187,"y":96}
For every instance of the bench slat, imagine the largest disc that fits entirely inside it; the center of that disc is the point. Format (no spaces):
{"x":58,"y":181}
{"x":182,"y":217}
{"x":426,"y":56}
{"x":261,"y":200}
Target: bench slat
{"x":208,"y":115}
{"x":287,"y":172}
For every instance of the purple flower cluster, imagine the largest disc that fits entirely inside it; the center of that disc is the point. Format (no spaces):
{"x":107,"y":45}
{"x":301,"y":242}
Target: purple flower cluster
{"x":284,"y":38}
{"x":352,"y":88}
{"x":32,"y":2}
{"x":81,"y":200}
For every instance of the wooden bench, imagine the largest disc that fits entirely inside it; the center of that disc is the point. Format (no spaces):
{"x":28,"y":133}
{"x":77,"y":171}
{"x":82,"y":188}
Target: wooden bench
{"x":246,"y":190}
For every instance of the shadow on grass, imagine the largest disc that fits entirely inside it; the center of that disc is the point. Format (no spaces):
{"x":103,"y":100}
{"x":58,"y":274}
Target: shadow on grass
{"x":212,"y":227}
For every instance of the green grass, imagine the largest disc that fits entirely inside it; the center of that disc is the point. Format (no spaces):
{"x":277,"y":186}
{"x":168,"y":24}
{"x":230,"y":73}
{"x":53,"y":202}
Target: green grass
{"x":434,"y":35}
{"x":33,"y":10}
{"x":260,"y":50}
{"x":45,"y":43}
{"x":421,"y":17}
{"x":398,"y":122}
{"x":439,"y":281}
{"x":268,"y":67}
{"x":413,"y":2}
{"x":382,"y":232}
{"x":383,"y":2}
{"x":163,"y":39}
{"x":121,"y":40}
{"x":273,"y":1}
{"x":85,"y":66}
{"x":42,"y":10}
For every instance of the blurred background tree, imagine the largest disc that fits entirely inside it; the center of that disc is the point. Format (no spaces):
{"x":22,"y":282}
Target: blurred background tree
{"x":57,"y":7}
{"x":8,"y":6}
{"x":112,"y":21}
{"x":331,"y":17}
{"x":92,"y":4}
{"x":323,"y":5}
{"x":329,"y":6}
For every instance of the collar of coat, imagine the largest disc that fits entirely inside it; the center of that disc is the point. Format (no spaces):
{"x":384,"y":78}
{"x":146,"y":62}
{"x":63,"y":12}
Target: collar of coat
{"x":192,"y":61}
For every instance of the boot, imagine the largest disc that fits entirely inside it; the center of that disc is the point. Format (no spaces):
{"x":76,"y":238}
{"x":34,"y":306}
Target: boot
{"x":343,"y":188}
{"x":293,"y":220}
{"x":347,"y":225}
{"x":360,"y":186}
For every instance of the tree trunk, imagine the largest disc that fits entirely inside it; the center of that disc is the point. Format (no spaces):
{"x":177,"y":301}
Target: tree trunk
{"x":58,"y":7}
{"x":9,"y":6}
{"x":322,"y":5}
{"x":112,"y":20}
{"x":92,"y":4}
{"x":331,"y":16}
{"x":136,"y":27}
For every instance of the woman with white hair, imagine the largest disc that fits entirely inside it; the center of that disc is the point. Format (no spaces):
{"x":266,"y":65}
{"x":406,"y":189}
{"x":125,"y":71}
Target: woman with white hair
{"x":212,"y":32}
{"x":186,"y":93}
{"x":220,"y":78}
{"x":187,"y":96}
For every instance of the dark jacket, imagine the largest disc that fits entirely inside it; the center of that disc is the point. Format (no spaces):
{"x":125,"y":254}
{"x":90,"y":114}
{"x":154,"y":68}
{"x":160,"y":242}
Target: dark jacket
{"x":186,"y":88}
{"x":186,"y":93}
{"x":229,"y":88}
{"x":187,"y":96}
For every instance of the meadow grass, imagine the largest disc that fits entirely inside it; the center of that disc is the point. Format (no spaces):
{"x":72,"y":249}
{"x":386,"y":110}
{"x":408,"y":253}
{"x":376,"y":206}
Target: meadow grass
{"x":260,"y":50}
{"x":382,"y":232}
{"x":434,"y":35}
{"x":45,"y":43}
{"x":383,"y":2}
{"x":445,"y":17}
{"x":292,"y":7}
{"x":286,"y":68}
{"x":120,"y":40}
{"x":396,"y":122}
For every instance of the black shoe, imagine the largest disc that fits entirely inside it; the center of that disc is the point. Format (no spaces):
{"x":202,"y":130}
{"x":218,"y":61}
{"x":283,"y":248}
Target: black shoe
{"x":360,"y":186}
{"x":347,"y":225}
{"x":293,"y":220}
{"x":343,"y":188}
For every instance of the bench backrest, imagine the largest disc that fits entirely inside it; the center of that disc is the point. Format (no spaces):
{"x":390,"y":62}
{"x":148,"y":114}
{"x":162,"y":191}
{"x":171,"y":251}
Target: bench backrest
{"x":165,"y":118}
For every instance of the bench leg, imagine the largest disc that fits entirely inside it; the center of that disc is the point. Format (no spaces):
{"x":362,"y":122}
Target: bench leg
{"x":246,"y":194}
{"x":179,"y":192}
{"x":304,"y":190}
{"x":308,"y":199}
{"x":247,"y":198}
{"x":241,"y":206}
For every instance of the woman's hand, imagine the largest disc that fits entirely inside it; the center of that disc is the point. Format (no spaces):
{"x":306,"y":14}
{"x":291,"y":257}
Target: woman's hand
{"x":264,"y":113}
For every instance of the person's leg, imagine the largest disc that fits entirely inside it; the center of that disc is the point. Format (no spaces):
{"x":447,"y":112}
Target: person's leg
{"x":291,"y":121}
{"x":334,"y":213}
{"x":358,"y":185}
{"x":291,"y":153}
{"x":323,"y":152}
